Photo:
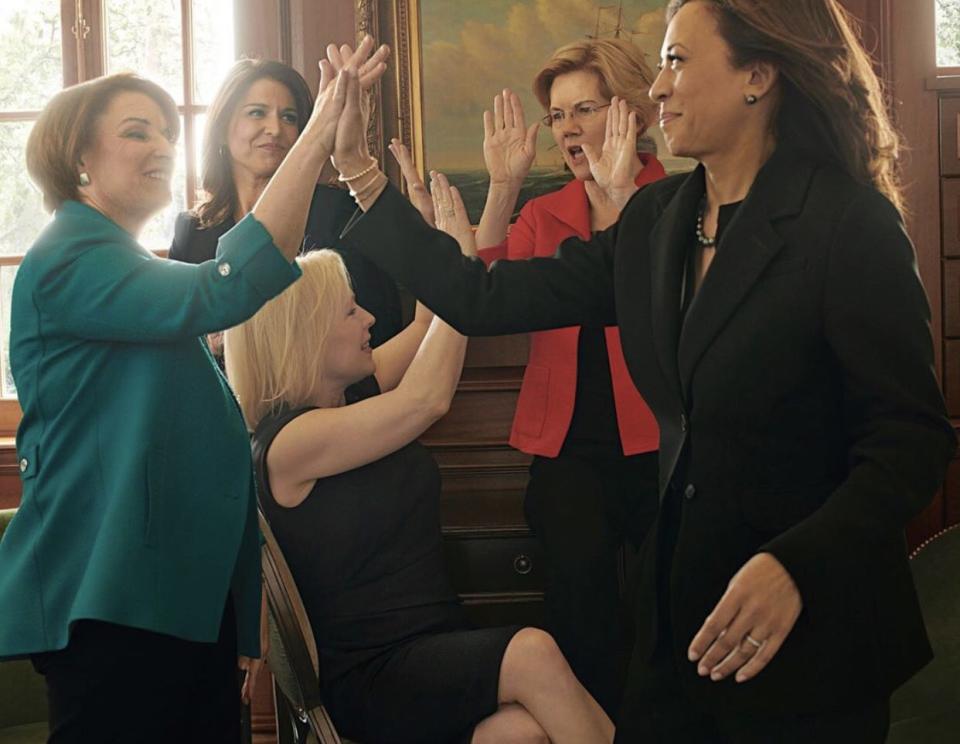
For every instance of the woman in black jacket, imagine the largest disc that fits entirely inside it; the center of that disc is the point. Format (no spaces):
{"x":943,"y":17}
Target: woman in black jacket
{"x":772,"y":316}
{"x":254,"y":119}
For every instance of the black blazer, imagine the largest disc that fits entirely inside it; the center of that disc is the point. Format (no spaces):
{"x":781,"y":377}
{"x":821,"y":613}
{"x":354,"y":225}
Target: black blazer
{"x":330,"y":210}
{"x":798,"y":407}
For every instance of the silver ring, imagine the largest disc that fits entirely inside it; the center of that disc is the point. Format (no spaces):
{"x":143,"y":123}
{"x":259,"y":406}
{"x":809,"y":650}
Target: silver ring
{"x":752,"y":641}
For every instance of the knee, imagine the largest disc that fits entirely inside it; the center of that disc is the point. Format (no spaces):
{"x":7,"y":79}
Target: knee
{"x":534,"y":651}
{"x":514,"y":727}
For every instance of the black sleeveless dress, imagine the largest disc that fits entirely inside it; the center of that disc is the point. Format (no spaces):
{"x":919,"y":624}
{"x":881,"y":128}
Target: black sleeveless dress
{"x":398,"y":660}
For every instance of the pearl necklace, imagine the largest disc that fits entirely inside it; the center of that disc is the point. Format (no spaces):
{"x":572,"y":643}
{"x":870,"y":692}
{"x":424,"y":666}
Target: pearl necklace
{"x":702,"y":239}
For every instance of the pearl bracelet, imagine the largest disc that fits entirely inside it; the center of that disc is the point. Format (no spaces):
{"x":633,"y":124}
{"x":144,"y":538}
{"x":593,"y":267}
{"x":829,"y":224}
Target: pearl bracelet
{"x":355,"y":176}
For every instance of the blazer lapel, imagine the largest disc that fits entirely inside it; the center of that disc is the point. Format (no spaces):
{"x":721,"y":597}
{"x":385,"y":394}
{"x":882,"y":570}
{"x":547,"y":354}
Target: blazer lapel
{"x":748,"y":246}
{"x":669,"y":238}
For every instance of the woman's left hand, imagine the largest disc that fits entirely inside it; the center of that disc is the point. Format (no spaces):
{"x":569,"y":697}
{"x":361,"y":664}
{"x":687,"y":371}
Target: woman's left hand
{"x":451,"y":214}
{"x":416,"y":190}
{"x":750,"y":622}
{"x":615,"y":167}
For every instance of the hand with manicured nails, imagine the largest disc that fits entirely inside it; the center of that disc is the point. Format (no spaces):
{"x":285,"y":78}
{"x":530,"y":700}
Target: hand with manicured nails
{"x":615,"y":167}
{"x":509,"y":145}
{"x":750,"y":622}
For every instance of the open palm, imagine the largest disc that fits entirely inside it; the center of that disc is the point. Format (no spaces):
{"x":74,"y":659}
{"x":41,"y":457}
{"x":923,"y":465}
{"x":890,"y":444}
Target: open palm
{"x":616,"y":165}
{"x":509,"y":146}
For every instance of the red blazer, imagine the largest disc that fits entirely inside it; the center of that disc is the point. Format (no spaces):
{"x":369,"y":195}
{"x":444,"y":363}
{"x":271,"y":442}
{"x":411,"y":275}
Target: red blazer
{"x":545,"y":407}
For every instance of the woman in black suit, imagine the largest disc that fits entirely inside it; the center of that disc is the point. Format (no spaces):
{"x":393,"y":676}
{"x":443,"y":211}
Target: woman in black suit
{"x":253,"y":121}
{"x":772,"y":316}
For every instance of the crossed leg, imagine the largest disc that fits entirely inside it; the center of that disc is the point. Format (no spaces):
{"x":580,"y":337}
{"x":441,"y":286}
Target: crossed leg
{"x":541,"y":700}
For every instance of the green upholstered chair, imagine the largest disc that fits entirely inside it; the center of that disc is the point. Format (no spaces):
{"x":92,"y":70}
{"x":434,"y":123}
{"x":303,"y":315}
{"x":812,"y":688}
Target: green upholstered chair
{"x":23,"y":695}
{"x":927,"y":708}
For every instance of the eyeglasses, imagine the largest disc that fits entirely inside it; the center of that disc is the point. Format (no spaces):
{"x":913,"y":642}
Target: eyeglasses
{"x":581,"y":111}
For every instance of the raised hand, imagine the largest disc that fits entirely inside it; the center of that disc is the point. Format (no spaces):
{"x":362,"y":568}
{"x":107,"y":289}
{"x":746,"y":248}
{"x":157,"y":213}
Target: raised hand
{"x":451,"y":214}
{"x":329,"y":106}
{"x":350,"y":153}
{"x":509,"y":145}
{"x":416,"y":189}
{"x":369,"y":71}
{"x":750,"y":622}
{"x":615,"y":167}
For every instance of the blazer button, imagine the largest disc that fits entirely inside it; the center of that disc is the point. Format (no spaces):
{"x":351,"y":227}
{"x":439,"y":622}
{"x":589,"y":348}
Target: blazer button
{"x":689,"y":492}
{"x":24,"y":464}
{"x":224,"y":269}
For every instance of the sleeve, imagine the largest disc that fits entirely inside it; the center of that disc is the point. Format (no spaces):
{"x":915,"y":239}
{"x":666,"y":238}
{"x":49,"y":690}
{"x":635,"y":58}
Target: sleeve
{"x":330,"y":210}
{"x":573,"y":287}
{"x":877,"y":324}
{"x":183,"y":229}
{"x":519,"y":242}
{"x":106,"y":290}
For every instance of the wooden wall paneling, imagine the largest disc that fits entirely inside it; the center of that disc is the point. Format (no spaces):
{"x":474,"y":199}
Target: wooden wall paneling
{"x":950,"y":214}
{"x":916,"y":110}
{"x":951,"y":383}
{"x":313,"y":25}
{"x":261,"y":29}
{"x":951,"y":506}
{"x":951,"y":298}
{"x":950,"y":136}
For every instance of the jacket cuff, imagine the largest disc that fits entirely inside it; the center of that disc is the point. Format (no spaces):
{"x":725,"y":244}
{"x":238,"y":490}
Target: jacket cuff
{"x":248,"y":250}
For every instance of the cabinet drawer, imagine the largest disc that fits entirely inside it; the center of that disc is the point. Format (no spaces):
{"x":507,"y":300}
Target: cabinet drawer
{"x":950,"y":214}
{"x":494,"y":563}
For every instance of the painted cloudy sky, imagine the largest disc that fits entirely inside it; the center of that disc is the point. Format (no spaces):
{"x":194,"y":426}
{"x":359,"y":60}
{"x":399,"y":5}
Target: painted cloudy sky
{"x":471,"y":50}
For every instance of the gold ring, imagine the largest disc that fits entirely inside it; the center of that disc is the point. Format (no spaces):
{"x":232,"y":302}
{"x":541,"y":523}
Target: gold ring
{"x":752,"y":641}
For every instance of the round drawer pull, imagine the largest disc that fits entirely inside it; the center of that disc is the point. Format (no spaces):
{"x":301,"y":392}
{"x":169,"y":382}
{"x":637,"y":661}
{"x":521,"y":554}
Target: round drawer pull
{"x":522,"y":564}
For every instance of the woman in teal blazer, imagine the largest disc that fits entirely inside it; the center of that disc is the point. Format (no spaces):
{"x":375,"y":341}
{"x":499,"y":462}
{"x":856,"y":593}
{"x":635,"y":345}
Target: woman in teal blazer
{"x":131,"y":572}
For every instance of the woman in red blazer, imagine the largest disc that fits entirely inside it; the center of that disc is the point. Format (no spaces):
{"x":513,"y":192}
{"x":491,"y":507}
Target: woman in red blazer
{"x":593,"y":480}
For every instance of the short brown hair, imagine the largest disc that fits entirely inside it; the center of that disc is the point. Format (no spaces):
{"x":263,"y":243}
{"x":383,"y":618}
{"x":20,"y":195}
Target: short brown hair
{"x":618,"y":63}
{"x":216,"y":171}
{"x":66,"y":125}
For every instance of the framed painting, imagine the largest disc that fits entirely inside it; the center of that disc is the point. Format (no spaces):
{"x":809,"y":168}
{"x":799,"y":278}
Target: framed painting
{"x":452,"y":57}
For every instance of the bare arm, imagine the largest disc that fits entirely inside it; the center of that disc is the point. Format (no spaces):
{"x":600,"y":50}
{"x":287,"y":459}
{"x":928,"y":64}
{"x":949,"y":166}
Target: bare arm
{"x":328,"y":441}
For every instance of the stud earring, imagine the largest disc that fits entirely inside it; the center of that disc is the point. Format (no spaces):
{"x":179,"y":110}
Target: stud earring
{"x":750,"y":99}
{"x":84,"y":178}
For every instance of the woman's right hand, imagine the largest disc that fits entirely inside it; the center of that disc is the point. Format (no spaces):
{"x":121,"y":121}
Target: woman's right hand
{"x":416,"y":189}
{"x":509,"y":146}
{"x":451,"y":214}
{"x":332,"y":102}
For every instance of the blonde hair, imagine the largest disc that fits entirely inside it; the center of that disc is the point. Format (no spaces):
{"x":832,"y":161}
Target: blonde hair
{"x":832,"y":104}
{"x":275,"y":359}
{"x":619,"y":64}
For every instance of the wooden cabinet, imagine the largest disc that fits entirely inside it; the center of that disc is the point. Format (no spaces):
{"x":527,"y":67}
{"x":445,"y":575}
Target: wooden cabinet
{"x":950,"y":136}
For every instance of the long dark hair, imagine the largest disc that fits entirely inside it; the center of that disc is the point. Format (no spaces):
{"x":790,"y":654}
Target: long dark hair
{"x":832,"y":104}
{"x":216,"y":173}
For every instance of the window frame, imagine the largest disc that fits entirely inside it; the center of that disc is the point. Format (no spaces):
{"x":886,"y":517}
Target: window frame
{"x":83,"y":47}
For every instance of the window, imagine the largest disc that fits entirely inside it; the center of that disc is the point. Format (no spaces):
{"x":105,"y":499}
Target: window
{"x":185,"y":45}
{"x":948,"y":33}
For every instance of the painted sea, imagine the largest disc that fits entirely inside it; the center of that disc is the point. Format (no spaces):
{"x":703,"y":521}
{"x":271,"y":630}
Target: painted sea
{"x":473,"y":186}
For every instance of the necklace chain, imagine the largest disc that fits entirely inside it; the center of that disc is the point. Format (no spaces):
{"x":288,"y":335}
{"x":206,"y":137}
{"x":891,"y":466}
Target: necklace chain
{"x":702,"y":239}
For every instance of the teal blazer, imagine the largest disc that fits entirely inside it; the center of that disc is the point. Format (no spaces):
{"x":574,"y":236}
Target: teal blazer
{"x":138,"y":503}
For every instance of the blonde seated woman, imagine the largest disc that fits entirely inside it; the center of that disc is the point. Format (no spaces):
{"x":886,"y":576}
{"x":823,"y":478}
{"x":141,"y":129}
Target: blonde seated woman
{"x":354,"y":502}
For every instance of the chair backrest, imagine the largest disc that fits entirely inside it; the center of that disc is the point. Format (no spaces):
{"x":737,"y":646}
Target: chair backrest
{"x":293,"y":657}
{"x":927,"y":707}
